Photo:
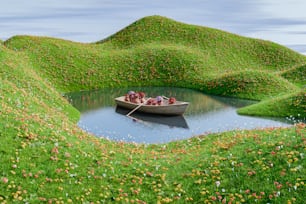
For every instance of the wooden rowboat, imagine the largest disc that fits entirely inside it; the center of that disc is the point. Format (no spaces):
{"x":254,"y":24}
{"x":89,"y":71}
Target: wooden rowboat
{"x":178,"y":108}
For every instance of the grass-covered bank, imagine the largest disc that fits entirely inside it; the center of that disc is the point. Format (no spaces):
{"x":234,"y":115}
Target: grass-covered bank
{"x":293,"y":104}
{"x":156,"y":51}
{"x":46,"y":158}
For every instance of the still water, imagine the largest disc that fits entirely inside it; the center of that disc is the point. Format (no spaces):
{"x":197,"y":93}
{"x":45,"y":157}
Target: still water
{"x":205,"y":114}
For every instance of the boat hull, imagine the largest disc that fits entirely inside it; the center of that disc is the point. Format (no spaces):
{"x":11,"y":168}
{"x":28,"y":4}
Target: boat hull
{"x":173,"y":109}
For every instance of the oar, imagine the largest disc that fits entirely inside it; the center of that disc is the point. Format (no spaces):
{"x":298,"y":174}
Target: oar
{"x":132,"y":111}
{"x":165,"y":97}
{"x":139,"y":120}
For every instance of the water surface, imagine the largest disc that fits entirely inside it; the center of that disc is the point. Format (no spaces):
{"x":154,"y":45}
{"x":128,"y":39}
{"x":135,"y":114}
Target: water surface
{"x":205,"y":114}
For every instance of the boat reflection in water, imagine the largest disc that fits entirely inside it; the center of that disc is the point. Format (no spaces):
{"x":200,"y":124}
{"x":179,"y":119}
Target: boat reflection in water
{"x":171,"y":121}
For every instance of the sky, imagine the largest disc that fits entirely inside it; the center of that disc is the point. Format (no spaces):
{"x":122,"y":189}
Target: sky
{"x":280,"y":21}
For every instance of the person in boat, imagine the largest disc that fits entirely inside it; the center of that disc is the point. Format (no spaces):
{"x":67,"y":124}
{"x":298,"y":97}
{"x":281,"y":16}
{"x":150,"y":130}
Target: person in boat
{"x":135,"y":97}
{"x":159,"y":100}
{"x":152,"y":102}
{"x":131,"y":96}
{"x":155,"y":101}
{"x":141,"y":96}
{"x":127,"y":97}
{"x":172,"y":100}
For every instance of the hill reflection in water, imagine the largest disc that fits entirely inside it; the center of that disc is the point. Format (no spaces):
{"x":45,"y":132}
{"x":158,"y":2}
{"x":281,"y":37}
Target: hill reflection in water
{"x":205,"y":114}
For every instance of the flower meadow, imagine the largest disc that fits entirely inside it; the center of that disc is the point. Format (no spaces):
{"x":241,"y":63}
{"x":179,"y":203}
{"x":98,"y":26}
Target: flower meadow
{"x":263,"y":166}
{"x":46,"y":158}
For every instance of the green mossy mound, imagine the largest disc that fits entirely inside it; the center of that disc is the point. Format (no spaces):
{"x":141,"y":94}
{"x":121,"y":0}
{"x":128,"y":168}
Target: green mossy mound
{"x":296,"y":75}
{"x":291,"y":105}
{"x":157,"y":51}
{"x":225,"y":49}
{"x":71,"y":66}
{"x":249,"y":85}
{"x":20,"y":84}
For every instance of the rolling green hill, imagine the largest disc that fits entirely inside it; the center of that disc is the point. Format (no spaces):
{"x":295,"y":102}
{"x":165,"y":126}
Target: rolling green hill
{"x":157,"y":51}
{"x":46,"y":158}
{"x":296,"y":75}
{"x":293,"y":103}
{"x":225,"y":50}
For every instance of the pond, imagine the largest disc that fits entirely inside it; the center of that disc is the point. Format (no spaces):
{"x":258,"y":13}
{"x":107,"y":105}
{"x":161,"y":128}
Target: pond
{"x":205,"y":114}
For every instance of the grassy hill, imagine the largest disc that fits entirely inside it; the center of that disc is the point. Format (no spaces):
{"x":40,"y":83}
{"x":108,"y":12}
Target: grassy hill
{"x":291,"y":105}
{"x":157,"y":51}
{"x":296,"y":75}
{"x":223,"y":49}
{"x":46,"y":158}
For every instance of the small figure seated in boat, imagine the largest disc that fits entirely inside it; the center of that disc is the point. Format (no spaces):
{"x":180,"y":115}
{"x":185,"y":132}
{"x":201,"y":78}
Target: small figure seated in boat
{"x":135,"y":97}
{"x":151,"y":101}
{"x":130,"y":96}
{"x":155,"y":101}
{"x":141,"y":96}
{"x":172,"y":100}
{"x":159,"y":100}
{"x":127,"y":97}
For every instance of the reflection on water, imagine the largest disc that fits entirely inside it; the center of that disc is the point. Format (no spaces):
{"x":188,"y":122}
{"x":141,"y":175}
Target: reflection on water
{"x":171,"y":121}
{"x":205,"y":114}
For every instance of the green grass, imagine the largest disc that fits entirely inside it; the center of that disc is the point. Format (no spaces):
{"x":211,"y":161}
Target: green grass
{"x":153,"y":51}
{"x":296,"y":75}
{"x":46,"y":158}
{"x":291,"y":105}
{"x":249,"y":84}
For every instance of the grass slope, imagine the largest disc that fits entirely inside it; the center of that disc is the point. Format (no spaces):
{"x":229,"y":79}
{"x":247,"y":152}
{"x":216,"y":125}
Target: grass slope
{"x":48,"y":159}
{"x":291,"y":105}
{"x":296,"y":75}
{"x":249,"y":84}
{"x":154,"y":50}
{"x":226,"y":50}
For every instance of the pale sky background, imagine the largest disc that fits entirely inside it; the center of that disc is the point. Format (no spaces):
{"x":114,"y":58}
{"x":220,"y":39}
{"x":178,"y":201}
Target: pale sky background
{"x":280,"y":21}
